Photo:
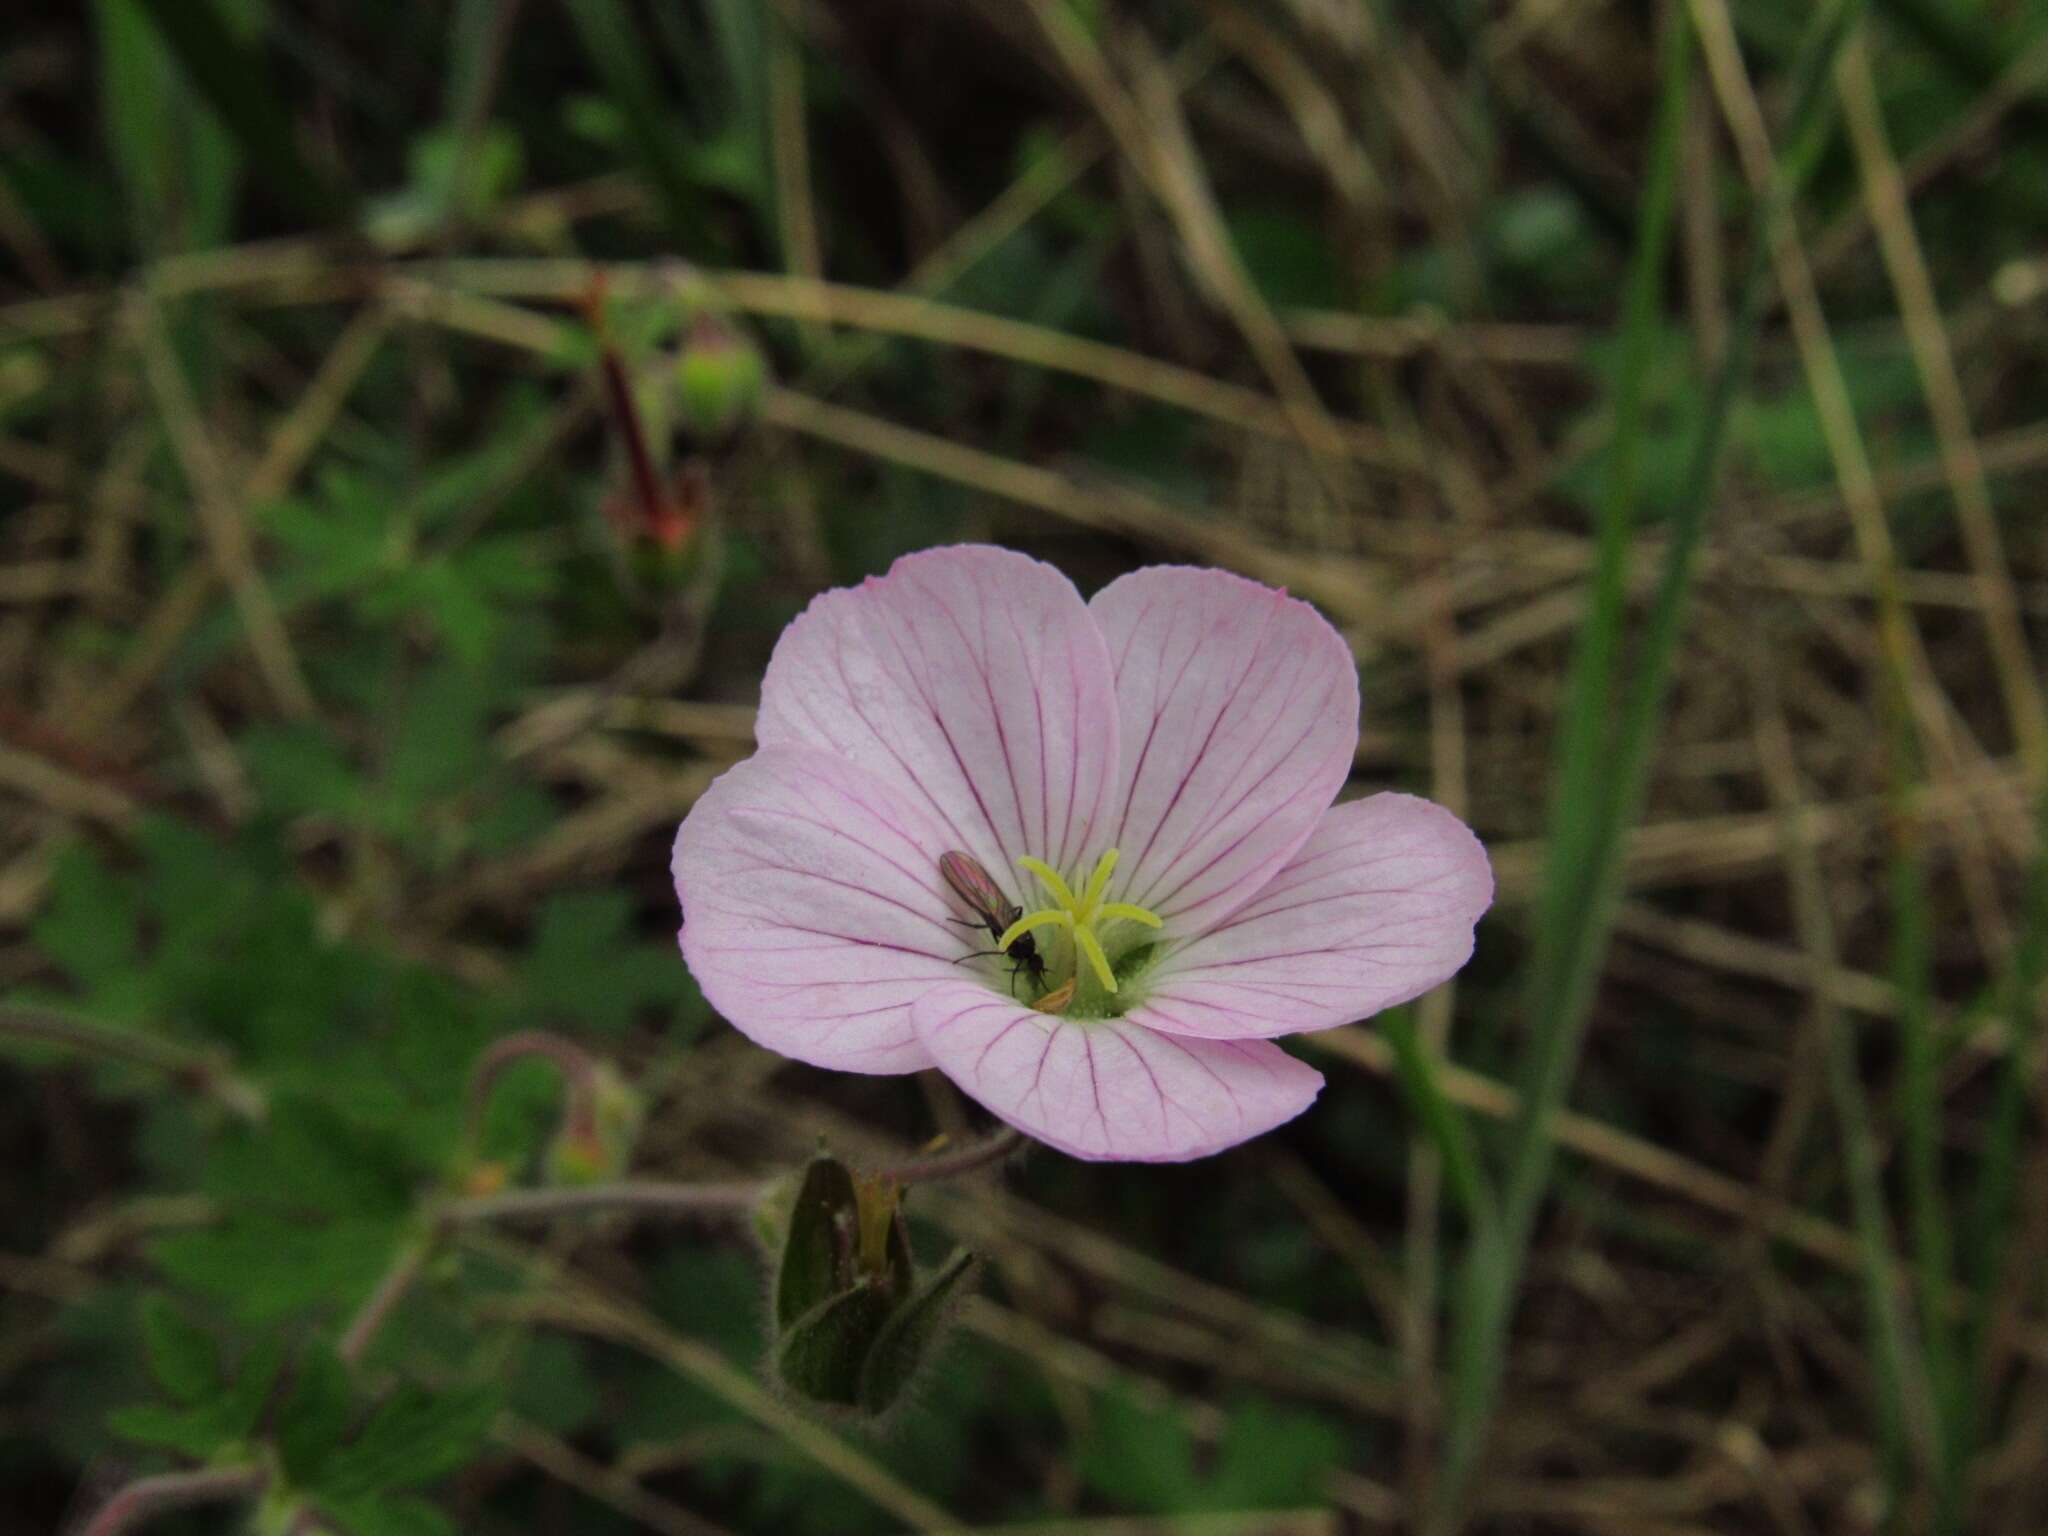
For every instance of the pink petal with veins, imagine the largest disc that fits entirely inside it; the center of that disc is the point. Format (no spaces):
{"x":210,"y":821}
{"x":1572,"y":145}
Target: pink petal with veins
{"x":1239,"y":718}
{"x":1108,"y":1089}
{"x":1376,"y":908}
{"x":974,"y":680}
{"x":813,"y":912}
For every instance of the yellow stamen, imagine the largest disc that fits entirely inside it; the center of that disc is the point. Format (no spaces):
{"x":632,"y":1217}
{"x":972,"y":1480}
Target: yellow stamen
{"x":1082,"y":914}
{"x":1050,"y":878}
{"x":1125,"y":910}
{"x":1096,"y":881}
{"x":1089,"y":945}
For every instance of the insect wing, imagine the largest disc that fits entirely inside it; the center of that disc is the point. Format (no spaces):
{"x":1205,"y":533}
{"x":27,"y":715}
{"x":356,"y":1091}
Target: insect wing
{"x":973,"y":885}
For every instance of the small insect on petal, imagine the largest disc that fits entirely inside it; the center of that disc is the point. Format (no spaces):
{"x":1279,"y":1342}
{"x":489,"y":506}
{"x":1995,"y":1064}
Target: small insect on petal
{"x":977,"y":888}
{"x":992,"y":910}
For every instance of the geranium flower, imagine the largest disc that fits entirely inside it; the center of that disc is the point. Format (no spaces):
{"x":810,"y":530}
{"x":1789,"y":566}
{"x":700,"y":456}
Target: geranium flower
{"x":1146,"y":778}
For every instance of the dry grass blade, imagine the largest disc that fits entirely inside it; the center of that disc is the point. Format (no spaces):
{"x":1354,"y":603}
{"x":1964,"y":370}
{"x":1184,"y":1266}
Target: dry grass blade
{"x":563,"y":1301}
{"x":1151,"y":133}
{"x":805,"y":299}
{"x":1934,"y":356}
{"x":220,"y":514}
{"x":1342,"y":587}
{"x":1905,"y":652}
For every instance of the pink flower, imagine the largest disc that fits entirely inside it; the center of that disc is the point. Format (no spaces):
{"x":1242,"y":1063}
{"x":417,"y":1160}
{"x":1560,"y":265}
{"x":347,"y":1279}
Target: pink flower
{"x":1147,"y":776}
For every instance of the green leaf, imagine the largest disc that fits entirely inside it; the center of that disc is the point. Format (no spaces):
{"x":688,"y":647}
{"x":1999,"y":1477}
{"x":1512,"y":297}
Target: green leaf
{"x":223,"y":1416}
{"x":316,"y":1417}
{"x":415,"y":1437}
{"x":1142,"y":1458}
{"x":1273,"y":1458}
{"x":178,"y":169}
{"x":89,"y":924}
{"x":265,"y":1269}
{"x":193,"y":1432}
{"x":310,"y":1156}
{"x":907,"y":1341}
{"x":234,"y":79}
{"x":554,"y":1387}
{"x":301,"y":770}
{"x":241,"y":1406}
{"x":582,"y":934}
{"x":440,"y":745}
{"x":183,"y":1357}
{"x":621,"y":58}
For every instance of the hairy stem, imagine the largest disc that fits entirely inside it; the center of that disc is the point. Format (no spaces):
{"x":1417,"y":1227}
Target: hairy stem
{"x":951,"y":1164}
{"x":149,"y":1497}
{"x":631,"y":1195}
{"x":198,"y":1070}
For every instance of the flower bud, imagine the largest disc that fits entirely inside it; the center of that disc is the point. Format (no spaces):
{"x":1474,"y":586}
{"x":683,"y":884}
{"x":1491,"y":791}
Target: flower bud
{"x":720,"y":379}
{"x":596,"y":1139}
{"x":854,"y":1322}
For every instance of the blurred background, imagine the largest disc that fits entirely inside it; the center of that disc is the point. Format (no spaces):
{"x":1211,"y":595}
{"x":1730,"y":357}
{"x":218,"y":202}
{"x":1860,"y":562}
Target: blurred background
{"x":418,"y":421}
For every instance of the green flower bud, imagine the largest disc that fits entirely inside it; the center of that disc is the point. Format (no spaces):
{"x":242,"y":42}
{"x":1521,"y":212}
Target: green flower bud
{"x":909,"y":1340}
{"x":820,"y":1355}
{"x":596,"y":1142}
{"x":854,"y":1322}
{"x":720,"y":379}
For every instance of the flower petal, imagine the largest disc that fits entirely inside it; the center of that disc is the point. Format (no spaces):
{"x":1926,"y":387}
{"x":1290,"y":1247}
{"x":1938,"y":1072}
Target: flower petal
{"x":1107,"y":1089}
{"x":971,"y":677}
{"x":813,"y":910}
{"x":1239,"y":710}
{"x":1376,"y":908}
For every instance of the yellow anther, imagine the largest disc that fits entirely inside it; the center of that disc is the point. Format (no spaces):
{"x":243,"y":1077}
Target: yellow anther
{"x":1124,"y":909}
{"x":1057,"y":999}
{"x":1050,"y":879}
{"x":1082,"y":914}
{"x":1096,"y":881}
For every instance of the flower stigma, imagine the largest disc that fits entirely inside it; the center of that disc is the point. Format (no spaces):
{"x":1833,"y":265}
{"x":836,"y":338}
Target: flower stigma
{"x":1082,"y":916}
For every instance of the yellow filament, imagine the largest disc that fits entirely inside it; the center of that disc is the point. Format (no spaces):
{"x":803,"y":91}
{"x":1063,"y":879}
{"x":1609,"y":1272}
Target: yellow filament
{"x":1043,"y":919}
{"x":1089,"y":945}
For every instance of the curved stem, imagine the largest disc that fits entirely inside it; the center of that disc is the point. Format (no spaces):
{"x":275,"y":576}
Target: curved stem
{"x":576,"y":1065}
{"x":148,"y":1497}
{"x":678,"y":1199}
{"x":197,"y":1069}
{"x":635,"y":1195}
{"x":950,"y":1165}
{"x":384,"y":1300}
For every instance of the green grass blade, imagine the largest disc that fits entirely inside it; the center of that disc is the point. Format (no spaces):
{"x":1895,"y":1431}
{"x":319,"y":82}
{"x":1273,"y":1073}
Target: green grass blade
{"x":2015,"y":992}
{"x":1490,"y":1271}
{"x":620,"y":56}
{"x":1891,"y":1342}
{"x":1446,"y":1128}
{"x":1568,"y":959}
{"x":1988,"y":1231}
{"x":1899,"y":1372}
{"x":234,"y":81}
{"x":1920,"y":1112}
